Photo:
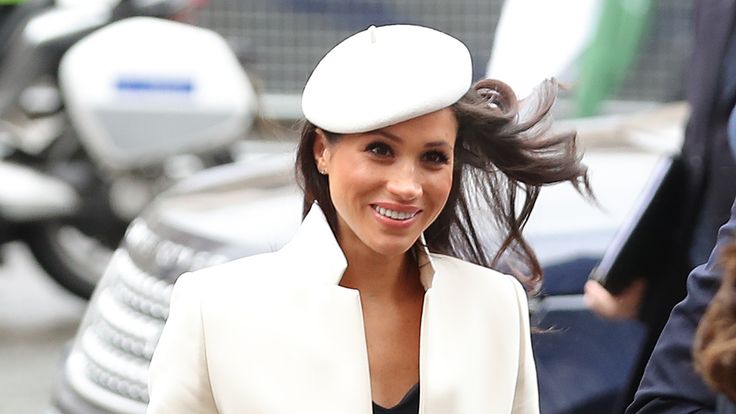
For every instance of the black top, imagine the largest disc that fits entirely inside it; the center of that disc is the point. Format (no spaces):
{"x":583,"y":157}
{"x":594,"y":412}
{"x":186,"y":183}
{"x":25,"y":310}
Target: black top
{"x":408,"y":405}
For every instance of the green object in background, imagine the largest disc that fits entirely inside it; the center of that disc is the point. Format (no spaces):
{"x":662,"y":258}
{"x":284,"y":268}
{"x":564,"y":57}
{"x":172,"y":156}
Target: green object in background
{"x":11,"y":2}
{"x":615,"y":44}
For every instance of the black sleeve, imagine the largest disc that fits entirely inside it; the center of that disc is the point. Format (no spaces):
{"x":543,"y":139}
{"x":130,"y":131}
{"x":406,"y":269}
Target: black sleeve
{"x":670,"y":384}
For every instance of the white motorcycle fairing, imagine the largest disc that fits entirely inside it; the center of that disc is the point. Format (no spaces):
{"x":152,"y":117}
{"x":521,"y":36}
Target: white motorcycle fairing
{"x":144,"y":89}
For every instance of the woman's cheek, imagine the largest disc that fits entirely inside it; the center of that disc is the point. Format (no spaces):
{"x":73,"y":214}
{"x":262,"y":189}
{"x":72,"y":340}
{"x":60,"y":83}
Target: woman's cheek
{"x":443,"y":183}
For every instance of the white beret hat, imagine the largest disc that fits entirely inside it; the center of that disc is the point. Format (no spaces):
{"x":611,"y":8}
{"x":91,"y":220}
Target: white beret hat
{"x":385,"y":75}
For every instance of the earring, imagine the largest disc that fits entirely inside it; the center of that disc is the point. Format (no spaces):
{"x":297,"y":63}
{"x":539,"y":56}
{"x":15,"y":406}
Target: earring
{"x":322,"y":171}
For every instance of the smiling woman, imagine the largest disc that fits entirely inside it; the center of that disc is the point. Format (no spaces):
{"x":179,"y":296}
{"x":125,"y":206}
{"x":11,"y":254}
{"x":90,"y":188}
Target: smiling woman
{"x":387,"y":287}
{"x":504,"y":147}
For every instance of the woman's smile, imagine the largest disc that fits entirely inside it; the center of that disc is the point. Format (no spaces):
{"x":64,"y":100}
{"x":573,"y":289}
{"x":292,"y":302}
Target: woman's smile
{"x":395,"y":216}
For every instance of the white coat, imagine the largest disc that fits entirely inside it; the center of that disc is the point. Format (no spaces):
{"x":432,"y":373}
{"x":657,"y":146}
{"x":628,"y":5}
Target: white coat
{"x":276,"y":334}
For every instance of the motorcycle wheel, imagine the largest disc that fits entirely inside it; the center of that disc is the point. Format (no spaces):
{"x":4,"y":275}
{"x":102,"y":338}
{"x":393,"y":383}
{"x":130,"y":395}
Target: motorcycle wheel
{"x":75,"y":260}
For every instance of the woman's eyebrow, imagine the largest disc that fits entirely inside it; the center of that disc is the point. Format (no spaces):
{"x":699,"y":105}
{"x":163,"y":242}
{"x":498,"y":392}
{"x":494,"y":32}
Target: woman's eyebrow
{"x":398,"y":139}
{"x":389,"y":135}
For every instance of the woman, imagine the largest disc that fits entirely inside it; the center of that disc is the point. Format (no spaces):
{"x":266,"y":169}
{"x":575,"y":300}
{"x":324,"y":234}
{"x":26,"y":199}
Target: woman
{"x":399,"y":157}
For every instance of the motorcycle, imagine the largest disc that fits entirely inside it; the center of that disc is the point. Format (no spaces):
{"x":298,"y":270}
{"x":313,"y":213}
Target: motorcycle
{"x":100,"y":111}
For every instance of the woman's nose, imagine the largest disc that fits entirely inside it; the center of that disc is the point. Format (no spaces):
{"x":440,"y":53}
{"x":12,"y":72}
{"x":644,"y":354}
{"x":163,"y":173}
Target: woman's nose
{"x":404,"y":183}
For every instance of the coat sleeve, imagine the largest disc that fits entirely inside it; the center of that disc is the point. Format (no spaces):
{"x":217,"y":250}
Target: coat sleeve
{"x":526,"y":395}
{"x":670,"y":384}
{"x":178,"y":379}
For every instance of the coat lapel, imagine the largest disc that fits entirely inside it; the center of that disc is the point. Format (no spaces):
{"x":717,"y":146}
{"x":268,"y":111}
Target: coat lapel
{"x":315,"y":251}
{"x":339,"y":334}
{"x":469,"y":347}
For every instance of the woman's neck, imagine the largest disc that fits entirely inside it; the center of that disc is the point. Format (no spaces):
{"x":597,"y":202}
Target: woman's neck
{"x":380,"y":277}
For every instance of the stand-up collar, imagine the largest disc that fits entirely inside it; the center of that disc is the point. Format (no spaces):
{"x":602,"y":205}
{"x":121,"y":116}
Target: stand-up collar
{"x":315,"y":245}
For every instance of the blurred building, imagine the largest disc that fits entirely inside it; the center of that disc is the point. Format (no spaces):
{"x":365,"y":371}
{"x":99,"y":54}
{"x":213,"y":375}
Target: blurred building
{"x":282,"y":40}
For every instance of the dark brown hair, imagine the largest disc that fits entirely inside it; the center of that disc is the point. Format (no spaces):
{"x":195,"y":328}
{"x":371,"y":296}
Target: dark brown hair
{"x":715,"y":341}
{"x":504,"y":150}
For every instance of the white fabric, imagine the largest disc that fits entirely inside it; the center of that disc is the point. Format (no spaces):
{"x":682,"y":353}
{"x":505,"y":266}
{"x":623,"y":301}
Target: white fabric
{"x":385,"y":75}
{"x":540,"y":39}
{"x":276,"y":334}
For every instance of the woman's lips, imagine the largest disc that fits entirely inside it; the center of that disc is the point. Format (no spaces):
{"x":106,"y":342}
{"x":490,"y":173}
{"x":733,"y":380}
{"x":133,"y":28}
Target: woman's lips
{"x":395,"y":215}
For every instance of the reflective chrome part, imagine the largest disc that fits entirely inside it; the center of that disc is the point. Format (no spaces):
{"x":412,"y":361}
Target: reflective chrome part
{"x":81,"y":375}
{"x":168,"y":258}
{"x":125,"y":319}
{"x":108,"y":365}
{"x":109,"y":362}
{"x":114,"y":369}
{"x":33,"y":194}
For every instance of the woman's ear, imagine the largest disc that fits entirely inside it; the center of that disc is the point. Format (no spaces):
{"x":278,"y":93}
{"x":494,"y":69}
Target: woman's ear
{"x":321,"y":151}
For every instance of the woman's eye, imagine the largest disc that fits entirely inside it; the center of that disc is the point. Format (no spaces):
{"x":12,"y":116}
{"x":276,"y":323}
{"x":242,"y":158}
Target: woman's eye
{"x":436,"y":157}
{"x":380,"y":149}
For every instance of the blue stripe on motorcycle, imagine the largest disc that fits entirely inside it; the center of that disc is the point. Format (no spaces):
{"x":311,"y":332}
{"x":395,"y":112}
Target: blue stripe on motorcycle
{"x":155,"y":85}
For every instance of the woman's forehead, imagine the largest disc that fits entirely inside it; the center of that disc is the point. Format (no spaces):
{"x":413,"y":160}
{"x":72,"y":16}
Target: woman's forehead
{"x":440,"y":124}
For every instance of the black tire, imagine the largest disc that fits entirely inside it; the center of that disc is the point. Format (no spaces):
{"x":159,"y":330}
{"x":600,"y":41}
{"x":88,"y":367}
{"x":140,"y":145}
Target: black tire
{"x":73,"y":264}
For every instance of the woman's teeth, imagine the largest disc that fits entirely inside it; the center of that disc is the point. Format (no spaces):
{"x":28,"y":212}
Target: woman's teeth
{"x":396,"y":215}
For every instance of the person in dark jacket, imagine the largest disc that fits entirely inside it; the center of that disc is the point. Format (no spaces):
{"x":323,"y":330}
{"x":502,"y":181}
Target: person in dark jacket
{"x":708,"y":192}
{"x":670,"y":384}
{"x":715,"y":340}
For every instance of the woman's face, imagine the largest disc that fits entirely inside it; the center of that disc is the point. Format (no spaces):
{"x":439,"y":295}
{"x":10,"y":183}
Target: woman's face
{"x":389,"y":185}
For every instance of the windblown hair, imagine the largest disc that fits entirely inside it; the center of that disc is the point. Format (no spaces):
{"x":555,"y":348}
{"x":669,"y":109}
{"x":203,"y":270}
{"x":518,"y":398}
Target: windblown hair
{"x":504,"y":153}
{"x":715,"y":341}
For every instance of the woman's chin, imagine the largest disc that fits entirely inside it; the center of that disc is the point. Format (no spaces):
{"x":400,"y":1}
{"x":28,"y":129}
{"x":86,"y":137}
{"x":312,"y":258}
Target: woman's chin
{"x":392,"y":248}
